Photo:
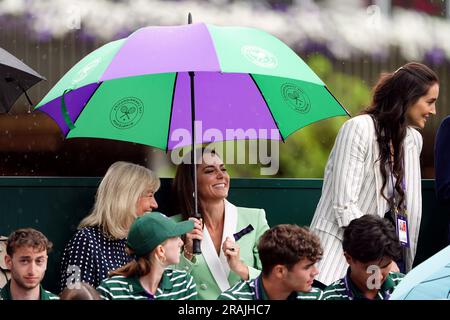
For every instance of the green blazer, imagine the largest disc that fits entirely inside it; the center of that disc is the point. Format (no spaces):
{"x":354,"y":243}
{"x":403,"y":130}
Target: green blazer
{"x":210,"y":271}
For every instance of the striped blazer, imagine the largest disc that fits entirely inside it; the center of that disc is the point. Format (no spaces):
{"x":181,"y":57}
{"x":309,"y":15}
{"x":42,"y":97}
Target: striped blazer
{"x":351,"y":188}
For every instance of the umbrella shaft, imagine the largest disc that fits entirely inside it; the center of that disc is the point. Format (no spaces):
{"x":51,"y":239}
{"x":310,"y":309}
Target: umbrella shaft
{"x":196,"y":243}
{"x":193,"y":152}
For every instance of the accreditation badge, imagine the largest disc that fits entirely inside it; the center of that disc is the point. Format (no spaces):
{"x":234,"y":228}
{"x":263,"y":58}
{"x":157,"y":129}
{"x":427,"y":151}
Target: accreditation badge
{"x":402,"y":230}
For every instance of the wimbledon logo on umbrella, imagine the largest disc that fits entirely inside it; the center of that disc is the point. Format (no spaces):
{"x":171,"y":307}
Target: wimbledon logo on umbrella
{"x":126,"y":112}
{"x":84,"y":72}
{"x":259,"y":56}
{"x":295,"y":97}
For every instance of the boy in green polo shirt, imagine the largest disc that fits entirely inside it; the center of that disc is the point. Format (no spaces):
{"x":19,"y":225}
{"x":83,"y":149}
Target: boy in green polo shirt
{"x":288,"y":256}
{"x":155,"y":240}
{"x":26,"y":257}
{"x":370,"y":246}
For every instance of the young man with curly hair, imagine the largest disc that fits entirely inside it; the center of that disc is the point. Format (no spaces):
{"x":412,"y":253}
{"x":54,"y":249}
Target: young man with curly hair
{"x":26,"y":257}
{"x":288,"y":256}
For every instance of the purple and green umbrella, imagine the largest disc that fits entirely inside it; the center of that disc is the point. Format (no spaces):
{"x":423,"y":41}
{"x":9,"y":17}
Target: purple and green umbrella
{"x":151,"y":88}
{"x":138,"y":89}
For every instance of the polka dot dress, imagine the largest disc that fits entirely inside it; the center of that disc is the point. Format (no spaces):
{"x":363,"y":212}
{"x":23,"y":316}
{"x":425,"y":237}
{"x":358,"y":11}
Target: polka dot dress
{"x":90,"y":255}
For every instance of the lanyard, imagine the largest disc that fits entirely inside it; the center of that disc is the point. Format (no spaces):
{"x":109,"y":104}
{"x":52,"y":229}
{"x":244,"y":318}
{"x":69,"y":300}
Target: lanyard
{"x":257,"y":289}
{"x":349,"y":292}
{"x":403,"y":186}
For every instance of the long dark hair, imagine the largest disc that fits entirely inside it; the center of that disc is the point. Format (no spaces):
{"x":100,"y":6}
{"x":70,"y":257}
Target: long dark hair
{"x":183,"y":185}
{"x":392,"y":96}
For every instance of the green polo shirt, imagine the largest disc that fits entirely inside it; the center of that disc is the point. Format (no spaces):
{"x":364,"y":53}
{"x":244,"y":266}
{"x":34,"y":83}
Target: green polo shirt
{"x":345,"y":289}
{"x":5,"y":293}
{"x":254,"y":290}
{"x":174,"y":285}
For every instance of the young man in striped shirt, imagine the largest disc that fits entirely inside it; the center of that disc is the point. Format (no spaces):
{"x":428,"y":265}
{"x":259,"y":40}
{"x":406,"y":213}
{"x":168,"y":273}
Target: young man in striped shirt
{"x":288,"y":256}
{"x":155,"y":240}
{"x":370,"y":246}
{"x":26,"y":257}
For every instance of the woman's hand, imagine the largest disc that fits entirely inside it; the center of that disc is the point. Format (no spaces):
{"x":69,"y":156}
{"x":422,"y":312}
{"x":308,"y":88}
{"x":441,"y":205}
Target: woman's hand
{"x":196,"y":233}
{"x":231,"y":250}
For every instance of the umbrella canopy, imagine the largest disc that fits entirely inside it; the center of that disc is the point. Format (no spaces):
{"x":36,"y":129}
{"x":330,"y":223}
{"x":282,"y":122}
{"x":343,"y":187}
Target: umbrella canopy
{"x":430,"y":280}
{"x":16,"y":78}
{"x":138,"y":89}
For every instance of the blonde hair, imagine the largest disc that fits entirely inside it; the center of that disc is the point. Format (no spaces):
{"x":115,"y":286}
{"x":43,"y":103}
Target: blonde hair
{"x":117,"y":196}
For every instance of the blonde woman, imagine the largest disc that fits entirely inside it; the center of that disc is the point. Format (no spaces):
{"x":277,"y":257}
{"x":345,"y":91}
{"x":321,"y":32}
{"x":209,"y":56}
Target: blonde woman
{"x":126,"y":192}
{"x":155,"y":240}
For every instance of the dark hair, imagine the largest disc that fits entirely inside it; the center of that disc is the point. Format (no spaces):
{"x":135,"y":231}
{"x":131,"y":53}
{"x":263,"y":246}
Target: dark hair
{"x":392,"y":96}
{"x":27,"y":237}
{"x":84,"y":292}
{"x":287,"y":244}
{"x":370,"y":238}
{"x":183,"y":185}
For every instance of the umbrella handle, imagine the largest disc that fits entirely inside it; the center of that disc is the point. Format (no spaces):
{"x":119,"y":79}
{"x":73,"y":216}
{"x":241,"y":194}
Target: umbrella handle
{"x":196,"y":246}
{"x":26,"y":95}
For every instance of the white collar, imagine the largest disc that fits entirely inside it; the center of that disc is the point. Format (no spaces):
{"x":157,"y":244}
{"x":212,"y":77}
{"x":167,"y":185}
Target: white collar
{"x":218,"y":264}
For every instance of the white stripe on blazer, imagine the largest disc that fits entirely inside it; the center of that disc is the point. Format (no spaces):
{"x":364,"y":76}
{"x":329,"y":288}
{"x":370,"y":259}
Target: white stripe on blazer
{"x":352,"y":182}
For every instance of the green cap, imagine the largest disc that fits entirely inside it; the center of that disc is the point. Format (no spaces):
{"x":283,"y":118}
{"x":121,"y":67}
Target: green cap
{"x":152,"y":229}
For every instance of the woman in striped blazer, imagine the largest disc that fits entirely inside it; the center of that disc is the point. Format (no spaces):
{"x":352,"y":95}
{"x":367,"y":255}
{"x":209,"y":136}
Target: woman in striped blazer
{"x":368,"y":148}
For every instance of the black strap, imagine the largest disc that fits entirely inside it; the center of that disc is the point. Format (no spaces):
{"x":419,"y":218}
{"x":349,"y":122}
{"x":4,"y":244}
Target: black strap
{"x":243,"y":232}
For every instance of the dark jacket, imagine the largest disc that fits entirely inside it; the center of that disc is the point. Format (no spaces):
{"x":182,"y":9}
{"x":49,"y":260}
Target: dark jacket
{"x":442,"y":162}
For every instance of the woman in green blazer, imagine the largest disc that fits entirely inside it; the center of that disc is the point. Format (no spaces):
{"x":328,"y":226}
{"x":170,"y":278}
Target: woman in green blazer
{"x":229,"y":235}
